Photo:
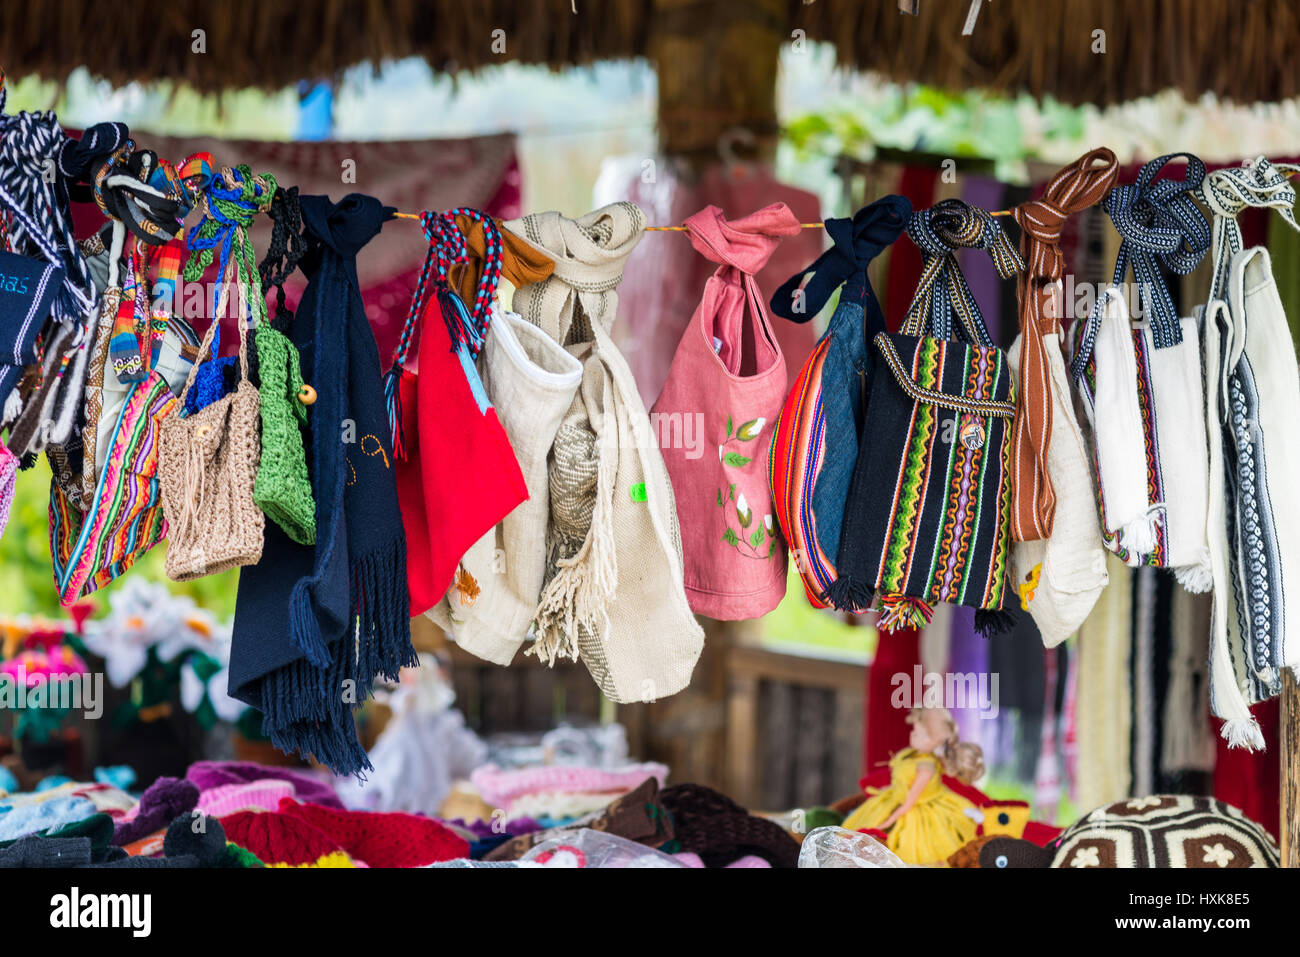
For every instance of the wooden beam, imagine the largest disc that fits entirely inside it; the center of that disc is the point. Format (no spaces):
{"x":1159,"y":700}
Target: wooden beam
{"x":1289,"y":826}
{"x":717,"y":68}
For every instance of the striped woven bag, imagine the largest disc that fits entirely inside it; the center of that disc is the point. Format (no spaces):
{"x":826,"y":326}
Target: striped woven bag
{"x":931,"y":498}
{"x":815,"y":444}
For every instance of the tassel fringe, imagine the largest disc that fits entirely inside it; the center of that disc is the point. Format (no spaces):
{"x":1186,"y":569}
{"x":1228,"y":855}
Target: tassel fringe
{"x":1138,"y":537}
{"x":902,"y":611}
{"x":990,"y":622}
{"x":850,"y":594}
{"x":584,"y":585}
{"x":1196,"y":579}
{"x":307,"y":708}
{"x":393,"y":405}
{"x":1243,"y":733}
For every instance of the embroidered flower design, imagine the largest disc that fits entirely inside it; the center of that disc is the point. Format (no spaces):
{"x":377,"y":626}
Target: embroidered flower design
{"x":750,"y":539}
{"x":1086,"y":857}
{"x":1218,"y":854}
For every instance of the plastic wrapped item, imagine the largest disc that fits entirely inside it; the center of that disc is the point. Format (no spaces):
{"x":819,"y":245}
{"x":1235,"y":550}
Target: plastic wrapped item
{"x":840,"y":847}
{"x":595,"y":746}
{"x":592,"y":848}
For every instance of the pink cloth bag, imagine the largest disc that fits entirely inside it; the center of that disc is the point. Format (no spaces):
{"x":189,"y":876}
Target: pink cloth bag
{"x":715,"y":417}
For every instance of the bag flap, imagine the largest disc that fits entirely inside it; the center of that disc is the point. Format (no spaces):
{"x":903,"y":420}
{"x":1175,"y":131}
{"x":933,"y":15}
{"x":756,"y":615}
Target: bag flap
{"x":951,"y":375}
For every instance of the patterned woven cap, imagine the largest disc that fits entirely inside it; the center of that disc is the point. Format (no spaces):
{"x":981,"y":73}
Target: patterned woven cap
{"x":1166,"y":830}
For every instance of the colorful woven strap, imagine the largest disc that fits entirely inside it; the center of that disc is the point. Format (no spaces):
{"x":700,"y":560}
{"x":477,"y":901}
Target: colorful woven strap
{"x":857,"y":241}
{"x":1227,"y":192}
{"x":1082,"y":184}
{"x":447,"y":248}
{"x":938,"y":232}
{"x":229,"y":201}
{"x":143,"y":195}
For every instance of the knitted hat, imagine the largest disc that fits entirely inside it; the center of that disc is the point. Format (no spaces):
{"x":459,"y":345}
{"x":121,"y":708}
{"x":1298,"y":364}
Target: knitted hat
{"x":36,"y":851}
{"x":719,"y":830}
{"x":254,"y":796}
{"x":159,"y":805}
{"x":382,"y":839}
{"x":282,"y":840}
{"x":43,"y":817}
{"x":206,"y":845}
{"x":210,"y":774}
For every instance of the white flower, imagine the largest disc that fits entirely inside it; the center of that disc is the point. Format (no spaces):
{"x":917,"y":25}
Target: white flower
{"x":1086,"y":857}
{"x":1218,"y":854}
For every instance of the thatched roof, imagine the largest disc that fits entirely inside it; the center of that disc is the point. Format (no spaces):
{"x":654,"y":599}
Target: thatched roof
{"x":1245,"y":50}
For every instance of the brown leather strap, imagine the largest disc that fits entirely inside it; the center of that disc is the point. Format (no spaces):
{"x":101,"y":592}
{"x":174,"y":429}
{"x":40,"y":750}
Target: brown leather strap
{"x":1074,"y":188}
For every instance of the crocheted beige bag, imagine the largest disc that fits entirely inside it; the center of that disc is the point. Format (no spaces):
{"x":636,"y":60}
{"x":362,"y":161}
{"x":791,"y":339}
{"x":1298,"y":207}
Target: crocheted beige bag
{"x":207,"y":469}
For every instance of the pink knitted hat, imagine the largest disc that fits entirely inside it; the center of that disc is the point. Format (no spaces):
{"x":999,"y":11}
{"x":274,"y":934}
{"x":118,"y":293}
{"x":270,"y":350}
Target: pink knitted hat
{"x":498,"y":788}
{"x":253,"y":796}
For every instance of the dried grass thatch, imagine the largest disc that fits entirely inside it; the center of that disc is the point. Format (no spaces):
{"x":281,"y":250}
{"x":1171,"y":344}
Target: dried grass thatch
{"x":1245,"y":50}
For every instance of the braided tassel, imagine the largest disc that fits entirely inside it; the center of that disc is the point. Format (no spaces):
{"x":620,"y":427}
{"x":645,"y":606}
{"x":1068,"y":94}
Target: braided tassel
{"x":393,"y":403}
{"x":903,"y":611}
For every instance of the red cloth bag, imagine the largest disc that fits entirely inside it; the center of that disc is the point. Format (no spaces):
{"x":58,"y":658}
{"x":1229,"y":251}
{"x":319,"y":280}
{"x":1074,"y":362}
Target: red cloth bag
{"x":457,"y":475}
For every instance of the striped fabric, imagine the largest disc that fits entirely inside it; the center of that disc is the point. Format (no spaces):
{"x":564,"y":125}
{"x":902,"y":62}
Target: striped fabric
{"x":1075,"y":187}
{"x":125,"y":519}
{"x":794,"y":463}
{"x":815,"y":441}
{"x":1159,"y":225}
{"x":939,"y":465}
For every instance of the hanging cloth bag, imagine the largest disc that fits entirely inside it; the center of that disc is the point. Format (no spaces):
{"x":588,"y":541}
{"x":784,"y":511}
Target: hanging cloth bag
{"x":209,"y":458}
{"x":815,"y":442}
{"x":1140,"y":383}
{"x":715,"y":416}
{"x":1058,"y":555}
{"x":531,"y":382}
{"x":932,"y":488}
{"x":614,"y":594}
{"x":457,"y":476}
{"x":282,"y":489}
{"x":105,"y":498}
{"x":1253,"y":404}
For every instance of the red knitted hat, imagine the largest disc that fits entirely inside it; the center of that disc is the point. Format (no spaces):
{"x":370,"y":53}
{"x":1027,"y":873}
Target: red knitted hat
{"x":382,"y":839}
{"x":282,"y":840}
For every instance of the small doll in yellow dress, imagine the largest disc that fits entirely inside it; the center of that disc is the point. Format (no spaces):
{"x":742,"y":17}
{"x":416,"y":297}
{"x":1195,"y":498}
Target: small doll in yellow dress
{"x":925,"y":820}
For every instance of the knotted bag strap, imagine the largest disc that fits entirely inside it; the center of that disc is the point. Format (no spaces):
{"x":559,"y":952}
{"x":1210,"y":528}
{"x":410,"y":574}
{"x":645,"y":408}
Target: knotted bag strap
{"x":1083,"y":183}
{"x":1261,"y":184}
{"x":284,"y":251}
{"x":938,"y":232}
{"x":144,"y":195}
{"x":40,"y":220}
{"x":856,"y":242}
{"x":1159,"y":224}
{"x":466,"y":326}
{"x":229,"y":202}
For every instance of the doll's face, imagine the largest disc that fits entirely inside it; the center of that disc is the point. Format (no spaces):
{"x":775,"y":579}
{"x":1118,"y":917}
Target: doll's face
{"x":925,"y":734}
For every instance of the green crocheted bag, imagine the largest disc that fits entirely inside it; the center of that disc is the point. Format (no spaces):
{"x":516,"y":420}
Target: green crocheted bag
{"x":282,"y":489}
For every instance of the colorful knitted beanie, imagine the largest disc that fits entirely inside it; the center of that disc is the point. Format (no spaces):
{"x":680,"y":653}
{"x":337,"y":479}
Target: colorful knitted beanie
{"x":253,"y":796}
{"x":282,"y":840}
{"x":382,"y":839}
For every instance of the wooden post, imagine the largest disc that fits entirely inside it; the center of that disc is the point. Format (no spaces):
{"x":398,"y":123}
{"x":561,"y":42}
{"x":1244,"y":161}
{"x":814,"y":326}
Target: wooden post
{"x":717,"y":67}
{"x":1289,"y":826}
